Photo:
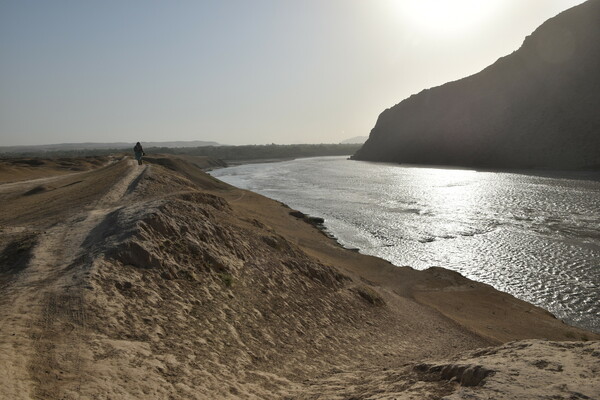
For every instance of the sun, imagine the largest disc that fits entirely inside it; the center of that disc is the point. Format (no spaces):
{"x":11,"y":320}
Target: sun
{"x":445,"y":16}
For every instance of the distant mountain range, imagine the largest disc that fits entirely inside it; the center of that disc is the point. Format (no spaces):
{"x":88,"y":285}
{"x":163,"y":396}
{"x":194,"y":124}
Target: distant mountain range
{"x":538,"y":107}
{"x":92,"y":146}
{"x":355,"y":139}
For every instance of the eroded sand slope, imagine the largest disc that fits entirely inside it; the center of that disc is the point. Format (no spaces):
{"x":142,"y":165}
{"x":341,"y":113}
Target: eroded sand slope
{"x":159,"y":282}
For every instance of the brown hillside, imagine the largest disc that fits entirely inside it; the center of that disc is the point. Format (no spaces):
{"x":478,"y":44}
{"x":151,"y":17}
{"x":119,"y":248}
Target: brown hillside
{"x":535,"y":108}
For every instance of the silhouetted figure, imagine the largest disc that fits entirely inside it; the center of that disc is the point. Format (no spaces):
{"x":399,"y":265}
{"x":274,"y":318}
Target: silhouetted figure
{"x":139,"y":152}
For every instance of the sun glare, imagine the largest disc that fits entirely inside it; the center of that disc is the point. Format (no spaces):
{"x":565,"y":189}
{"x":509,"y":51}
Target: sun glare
{"x":445,"y":16}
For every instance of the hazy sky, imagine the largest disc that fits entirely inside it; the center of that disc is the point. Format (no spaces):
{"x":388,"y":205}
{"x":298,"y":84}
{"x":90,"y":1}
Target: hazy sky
{"x":237,"y":71}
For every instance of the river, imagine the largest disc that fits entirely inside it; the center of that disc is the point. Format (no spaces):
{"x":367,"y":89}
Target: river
{"x":534,"y":235}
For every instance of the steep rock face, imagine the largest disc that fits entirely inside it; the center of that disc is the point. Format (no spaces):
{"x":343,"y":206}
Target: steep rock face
{"x":538,"y":107}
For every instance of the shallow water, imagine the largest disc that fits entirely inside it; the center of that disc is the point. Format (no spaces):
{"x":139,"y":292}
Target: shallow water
{"x":536,"y":237}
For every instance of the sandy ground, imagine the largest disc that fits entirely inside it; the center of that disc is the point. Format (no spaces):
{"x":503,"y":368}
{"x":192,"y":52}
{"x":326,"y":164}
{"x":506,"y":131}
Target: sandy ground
{"x":28,"y":168}
{"x":161,"y":282}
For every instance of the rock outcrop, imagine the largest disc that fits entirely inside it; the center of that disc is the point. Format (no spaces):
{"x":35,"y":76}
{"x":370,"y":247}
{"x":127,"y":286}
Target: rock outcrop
{"x":535,"y":108}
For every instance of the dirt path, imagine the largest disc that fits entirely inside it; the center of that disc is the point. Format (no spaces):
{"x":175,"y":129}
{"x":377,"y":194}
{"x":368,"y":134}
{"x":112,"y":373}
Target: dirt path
{"x":5,"y":187}
{"x":44,"y":323}
{"x":159,"y":282}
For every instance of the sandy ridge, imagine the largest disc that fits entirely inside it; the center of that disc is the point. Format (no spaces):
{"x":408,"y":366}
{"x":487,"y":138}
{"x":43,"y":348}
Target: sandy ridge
{"x":161,"y":282}
{"x":47,"y":316}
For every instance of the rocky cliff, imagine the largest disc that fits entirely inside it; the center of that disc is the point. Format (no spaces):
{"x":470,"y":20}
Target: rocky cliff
{"x":538,"y":107}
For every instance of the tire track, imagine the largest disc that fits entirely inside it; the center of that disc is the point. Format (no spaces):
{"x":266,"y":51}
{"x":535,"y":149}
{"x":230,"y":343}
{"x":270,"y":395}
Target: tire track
{"x":47,"y":317}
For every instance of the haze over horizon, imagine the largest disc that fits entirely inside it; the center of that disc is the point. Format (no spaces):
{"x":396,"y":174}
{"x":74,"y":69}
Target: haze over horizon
{"x":238,"y":72}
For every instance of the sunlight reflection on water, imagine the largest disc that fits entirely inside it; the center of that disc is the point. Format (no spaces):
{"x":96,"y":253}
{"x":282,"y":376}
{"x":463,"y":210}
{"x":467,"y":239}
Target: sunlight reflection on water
{"x":536,"y":237}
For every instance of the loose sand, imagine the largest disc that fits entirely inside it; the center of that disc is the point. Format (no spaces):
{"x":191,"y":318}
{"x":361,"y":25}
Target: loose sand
{"x":161,"y":282}
{"x":29,"y":168}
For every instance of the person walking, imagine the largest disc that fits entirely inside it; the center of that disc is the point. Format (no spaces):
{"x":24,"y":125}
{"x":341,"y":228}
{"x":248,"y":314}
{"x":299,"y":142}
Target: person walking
{"x":139,"y":152}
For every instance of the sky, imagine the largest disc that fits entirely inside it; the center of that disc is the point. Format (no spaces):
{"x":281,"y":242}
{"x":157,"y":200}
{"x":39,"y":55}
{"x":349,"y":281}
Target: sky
{"x":238,"y":71}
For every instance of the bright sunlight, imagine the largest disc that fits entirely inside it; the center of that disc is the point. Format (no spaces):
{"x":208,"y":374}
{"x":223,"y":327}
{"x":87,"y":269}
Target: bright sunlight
{"x":445,"y":16}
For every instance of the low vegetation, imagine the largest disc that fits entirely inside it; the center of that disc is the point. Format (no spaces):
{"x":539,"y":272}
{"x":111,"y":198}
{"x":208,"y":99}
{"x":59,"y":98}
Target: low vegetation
{"x":232,"y":153}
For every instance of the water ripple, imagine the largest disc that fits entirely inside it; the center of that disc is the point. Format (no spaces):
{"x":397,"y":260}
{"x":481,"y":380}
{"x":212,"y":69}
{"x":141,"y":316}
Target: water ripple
{"x":536,"y":237}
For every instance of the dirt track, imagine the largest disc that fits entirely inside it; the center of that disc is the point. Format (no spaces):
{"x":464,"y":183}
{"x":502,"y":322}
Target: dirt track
{"x":159,"y":281}
{"x":43,"y":314}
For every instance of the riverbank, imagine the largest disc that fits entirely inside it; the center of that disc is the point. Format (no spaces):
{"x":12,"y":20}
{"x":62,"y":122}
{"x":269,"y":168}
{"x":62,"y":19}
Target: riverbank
{"x":161,"y":281}
{"x":533,"y":237}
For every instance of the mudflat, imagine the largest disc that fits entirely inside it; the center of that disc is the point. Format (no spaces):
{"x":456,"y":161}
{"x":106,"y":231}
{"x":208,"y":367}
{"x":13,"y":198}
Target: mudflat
{"x":159,"y":281}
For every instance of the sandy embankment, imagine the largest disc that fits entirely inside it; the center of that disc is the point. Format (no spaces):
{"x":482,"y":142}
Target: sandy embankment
{"x":27,"y":168}
{"x":161,"y":282}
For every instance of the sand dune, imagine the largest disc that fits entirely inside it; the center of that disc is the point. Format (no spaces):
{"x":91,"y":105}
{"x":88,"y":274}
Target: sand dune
{"x":155,"y":282}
